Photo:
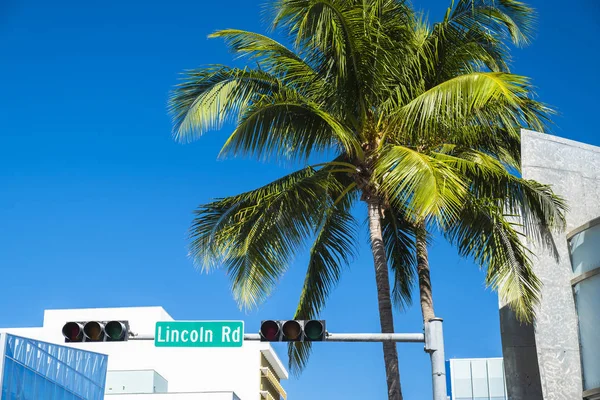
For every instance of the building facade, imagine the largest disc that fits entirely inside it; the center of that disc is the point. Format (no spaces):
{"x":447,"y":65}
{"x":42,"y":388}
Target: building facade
{"x":35,"y":370}
{"x":475,"y":379}
{"x":137,"y":370}
{"x":558,"y":357}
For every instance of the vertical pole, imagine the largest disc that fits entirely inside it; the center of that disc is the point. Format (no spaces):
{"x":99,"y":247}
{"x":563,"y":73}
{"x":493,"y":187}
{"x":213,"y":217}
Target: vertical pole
{"x":434,"y":345}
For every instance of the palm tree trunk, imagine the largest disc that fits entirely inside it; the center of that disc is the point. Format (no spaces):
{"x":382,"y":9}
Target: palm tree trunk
{"x":434,"y":345}
{"x":386,"y":319}
{"x":426,"y":297}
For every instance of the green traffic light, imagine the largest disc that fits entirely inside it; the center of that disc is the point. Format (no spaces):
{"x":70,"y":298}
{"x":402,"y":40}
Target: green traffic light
{"x":314,"y":330}
{"x":115,"y":330}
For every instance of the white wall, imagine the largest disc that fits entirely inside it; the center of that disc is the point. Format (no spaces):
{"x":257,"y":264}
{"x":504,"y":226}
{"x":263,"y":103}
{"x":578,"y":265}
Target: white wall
{"x":185,"y":369}
{"x":176,"y":396}
{"x":135,"y":382}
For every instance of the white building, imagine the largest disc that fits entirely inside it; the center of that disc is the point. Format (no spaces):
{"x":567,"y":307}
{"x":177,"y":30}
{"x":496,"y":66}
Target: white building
{"x":137,"y":370}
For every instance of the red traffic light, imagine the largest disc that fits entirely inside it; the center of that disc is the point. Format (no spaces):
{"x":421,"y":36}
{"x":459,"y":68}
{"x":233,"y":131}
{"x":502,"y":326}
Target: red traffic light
{"x":73,"y":331}
{"x":269,"y":331}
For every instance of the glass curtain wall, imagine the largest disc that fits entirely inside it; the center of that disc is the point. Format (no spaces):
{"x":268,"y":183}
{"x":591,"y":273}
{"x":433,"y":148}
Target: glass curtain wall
{"x":584,"y":245}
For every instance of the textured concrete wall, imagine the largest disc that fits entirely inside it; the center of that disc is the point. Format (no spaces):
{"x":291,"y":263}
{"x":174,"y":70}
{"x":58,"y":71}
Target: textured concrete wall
{"x":520,"y":358}
{"x":573,"y":169}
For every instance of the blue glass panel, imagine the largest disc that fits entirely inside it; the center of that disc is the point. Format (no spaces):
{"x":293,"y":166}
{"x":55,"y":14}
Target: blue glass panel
{"x":28,"y":384}
{"x":59,"y":393}
{"x":42,"y":388}
{"x":16,"y":378}
{"x":36,"y":370}
{"x":8,"y":365}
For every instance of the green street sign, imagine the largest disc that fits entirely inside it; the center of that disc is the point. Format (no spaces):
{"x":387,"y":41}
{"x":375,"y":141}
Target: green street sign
{"x":199,"y":334}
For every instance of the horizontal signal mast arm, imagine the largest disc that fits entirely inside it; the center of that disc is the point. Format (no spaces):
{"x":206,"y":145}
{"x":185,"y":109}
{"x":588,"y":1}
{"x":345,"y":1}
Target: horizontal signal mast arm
{"x":362,"y":337}
{"x":340,"y":337}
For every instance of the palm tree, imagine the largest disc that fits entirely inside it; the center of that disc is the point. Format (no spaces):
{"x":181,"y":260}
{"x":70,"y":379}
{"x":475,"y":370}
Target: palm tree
{"x":422,"y":127}
{"x":500,"y":208}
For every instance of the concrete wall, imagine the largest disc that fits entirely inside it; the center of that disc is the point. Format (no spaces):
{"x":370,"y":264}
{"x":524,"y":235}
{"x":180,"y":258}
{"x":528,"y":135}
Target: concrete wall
{"x":573,"y":170}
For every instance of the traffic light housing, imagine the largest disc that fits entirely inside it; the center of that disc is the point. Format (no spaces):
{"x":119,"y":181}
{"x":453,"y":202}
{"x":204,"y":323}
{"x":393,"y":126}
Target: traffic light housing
{"x":292,"y":330}
{"x":95,"y":331}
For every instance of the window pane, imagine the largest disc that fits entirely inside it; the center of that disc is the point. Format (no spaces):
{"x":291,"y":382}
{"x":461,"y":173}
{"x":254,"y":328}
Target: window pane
{"x":462,"y":387}
{"x":8,"y":365}
{"x":28,"y":384}
{"x":59,"y":393}
{"x":480,"y":380}
{"x":496,"y":378}
{"x":16,"y":379}
{"x":42,"y":388}
{"x":584,"y":250}
{"x":587,"y":298}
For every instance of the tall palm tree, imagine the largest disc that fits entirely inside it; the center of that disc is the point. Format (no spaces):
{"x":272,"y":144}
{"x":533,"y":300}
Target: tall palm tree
{"x":422,"y":125}
{"x":501,"y":210}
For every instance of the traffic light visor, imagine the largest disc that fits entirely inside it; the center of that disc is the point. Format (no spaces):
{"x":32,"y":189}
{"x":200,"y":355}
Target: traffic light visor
{"x":93,"y":330}
{"x":269,"y":330}
{"x":314,"y":330}
{"x":72,"y":331}
{"x":292,"y":330}
{"x":115,"y":330}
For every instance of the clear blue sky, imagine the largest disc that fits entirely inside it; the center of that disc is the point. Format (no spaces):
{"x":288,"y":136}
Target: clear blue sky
{"x":96,"y":198}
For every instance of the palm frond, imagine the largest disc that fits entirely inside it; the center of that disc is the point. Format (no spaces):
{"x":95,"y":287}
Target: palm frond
{"x":503,"y":18}
{"x":333,"y":248}
{"x":494,"y":100}
{"x":485,"y":234}
{"x":398,"y":237}
{"x":291,"y":126}
{"x":254,"y":234}
{"x":273,"y":57}
{"x":540,"y":211}
{"x":419,"y":184}
{"x":331,"y":33}
{"x":209,"y":96}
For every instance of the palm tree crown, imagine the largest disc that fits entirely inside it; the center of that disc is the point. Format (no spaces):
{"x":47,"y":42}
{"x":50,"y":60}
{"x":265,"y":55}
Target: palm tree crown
{"x":423,"y":120}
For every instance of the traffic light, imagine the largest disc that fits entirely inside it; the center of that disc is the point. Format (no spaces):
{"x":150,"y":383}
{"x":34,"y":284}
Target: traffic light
{"x":292,"y":330}
{"x":96,"y":331}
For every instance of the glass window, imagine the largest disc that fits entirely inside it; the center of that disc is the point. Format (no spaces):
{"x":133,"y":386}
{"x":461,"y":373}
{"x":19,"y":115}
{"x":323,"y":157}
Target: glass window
{"x":496,"y":379}
{"x":7,"y":377}
{"x":587,"y":300}
{"x":28,"y":384}
{"x":462,"y":388}
{"x":40,"y":388}
{"x":584,"y":250}
{"x":480,"y":379}
{"x":59,"y":393}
